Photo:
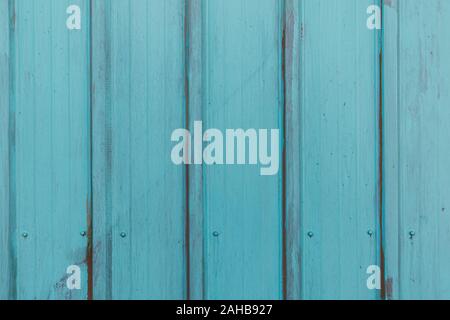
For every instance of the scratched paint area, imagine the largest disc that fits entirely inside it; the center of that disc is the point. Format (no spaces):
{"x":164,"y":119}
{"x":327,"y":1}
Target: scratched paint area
{"x":85,"y":171}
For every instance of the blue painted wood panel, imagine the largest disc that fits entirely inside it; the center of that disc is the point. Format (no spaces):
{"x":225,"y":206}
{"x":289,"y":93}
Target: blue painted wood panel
{"x":6,"y":274}
{"x":141,"y":195}
{"x":86,"y":176}
{"x":49,"y":165}
{"x":242,"y":89}
{"x":417,"y":108}
{"x":339,"y":157}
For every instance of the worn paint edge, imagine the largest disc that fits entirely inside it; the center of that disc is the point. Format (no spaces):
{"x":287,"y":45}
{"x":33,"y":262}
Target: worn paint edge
{"x":12,"y":154}
{"x":283,"y":159}
{"x":7,"y":20}
{"x":391,"y":192}
{"x":194,"y":174}
{"x":101,"y":151}
{"x":292,"y":150}
{"x":89,"y":204}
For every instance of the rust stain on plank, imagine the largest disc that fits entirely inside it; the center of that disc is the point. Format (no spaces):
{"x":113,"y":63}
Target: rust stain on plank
{"x":389,"y":288}
{"x":89,"y":249}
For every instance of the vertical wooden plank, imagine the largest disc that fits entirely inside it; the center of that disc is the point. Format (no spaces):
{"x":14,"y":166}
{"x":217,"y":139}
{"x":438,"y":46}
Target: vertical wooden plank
{"x":423,"y":135}
{"x":6,"y":260}
{"x":52,"y":148}
{"x":101,"y":149}
{"x":292,"y":67}
{"x":242,"y":74}
{"x":194,"y":64}
{"x":144,"y":192}
{"x":391,"y":149}
{"x":339,"y":150}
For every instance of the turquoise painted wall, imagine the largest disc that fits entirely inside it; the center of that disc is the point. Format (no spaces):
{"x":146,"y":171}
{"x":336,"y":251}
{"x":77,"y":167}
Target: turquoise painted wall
{"x":86,"y":177}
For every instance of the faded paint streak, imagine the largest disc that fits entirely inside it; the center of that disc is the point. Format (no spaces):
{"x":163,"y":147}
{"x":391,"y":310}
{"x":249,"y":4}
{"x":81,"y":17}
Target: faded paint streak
{"x":389,"y":3}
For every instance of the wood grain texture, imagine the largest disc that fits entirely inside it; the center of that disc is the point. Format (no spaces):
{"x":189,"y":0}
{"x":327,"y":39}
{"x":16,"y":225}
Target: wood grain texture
{"x":242,"y":74}
{"x":339,"y":150}
{"x":420,"y":73}
{"x":51,"y":144}
{"x":140,"y":102}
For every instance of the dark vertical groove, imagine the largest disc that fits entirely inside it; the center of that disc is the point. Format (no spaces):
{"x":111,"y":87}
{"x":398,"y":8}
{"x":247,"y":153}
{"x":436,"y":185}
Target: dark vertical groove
{"x":380,"y":159}
{"x":12,"y":267}
{"x":380,"y":183}
{"x":89,"y":249}
{"x":284,"y":168}
{"x":186,"y":168}
{"x":398,"y":141}
{"x":108,"y":143}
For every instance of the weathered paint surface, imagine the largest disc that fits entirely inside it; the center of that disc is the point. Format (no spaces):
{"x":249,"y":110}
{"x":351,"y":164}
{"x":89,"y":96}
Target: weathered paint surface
{"x":85,"y":123}
{"x":417,"y":166}
{"x":6,"y":273}
{"x":242,"y":89}
{"x":143,"y":101}
{"x":49,"y":165}
{"x":339,"y":139}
